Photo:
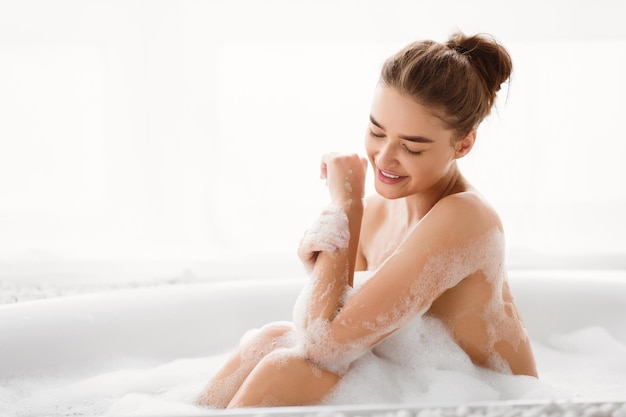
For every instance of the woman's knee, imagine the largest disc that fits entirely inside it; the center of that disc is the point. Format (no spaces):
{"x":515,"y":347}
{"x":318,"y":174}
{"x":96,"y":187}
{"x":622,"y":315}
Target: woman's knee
{"x":260,"y":342}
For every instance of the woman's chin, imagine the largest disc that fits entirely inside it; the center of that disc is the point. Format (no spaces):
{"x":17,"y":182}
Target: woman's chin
{"x":387,"y":192}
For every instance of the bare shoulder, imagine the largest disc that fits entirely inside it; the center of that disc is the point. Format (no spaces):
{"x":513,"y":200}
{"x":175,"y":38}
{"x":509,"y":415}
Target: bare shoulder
{"x":468,"y":203}
{"x":463,"y":215}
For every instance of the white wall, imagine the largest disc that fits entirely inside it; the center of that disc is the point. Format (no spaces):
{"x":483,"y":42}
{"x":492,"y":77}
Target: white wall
{"x":191,"y":130}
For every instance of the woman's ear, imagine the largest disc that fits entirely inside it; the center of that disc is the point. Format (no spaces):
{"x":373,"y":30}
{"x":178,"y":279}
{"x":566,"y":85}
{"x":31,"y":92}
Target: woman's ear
{"x":463,"y":146}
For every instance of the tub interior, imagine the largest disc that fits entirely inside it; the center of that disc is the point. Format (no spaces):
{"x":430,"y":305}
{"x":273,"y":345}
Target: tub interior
{"x":149,"y":351}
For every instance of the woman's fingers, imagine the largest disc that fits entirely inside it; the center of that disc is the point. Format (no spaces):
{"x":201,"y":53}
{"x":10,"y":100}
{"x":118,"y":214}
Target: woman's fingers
{"x":345,"y":176}
{"x":340,"y":163}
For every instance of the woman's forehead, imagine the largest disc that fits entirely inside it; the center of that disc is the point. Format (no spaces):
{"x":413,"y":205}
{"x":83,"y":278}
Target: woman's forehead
{"x":403,"y":114}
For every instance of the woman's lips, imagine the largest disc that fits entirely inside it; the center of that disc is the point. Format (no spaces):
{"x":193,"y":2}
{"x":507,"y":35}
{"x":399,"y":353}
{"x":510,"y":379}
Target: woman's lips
{"x":387,"y":177}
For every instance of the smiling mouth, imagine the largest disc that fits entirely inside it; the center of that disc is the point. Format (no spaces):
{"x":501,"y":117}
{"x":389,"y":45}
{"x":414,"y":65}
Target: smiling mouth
{"x":395,"y":177}
{"x":388,"y":178}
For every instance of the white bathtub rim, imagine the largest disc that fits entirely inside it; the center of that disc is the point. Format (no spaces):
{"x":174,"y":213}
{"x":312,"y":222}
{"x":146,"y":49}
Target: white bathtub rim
{"x":455,"y":408}
{"x":251,"y":304}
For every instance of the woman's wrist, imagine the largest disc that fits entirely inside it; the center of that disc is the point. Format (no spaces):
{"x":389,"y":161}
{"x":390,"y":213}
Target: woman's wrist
{"x":350,"y":204}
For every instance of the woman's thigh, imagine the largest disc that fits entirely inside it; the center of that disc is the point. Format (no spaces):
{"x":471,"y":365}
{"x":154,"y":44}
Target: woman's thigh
{"x":282,"y":378}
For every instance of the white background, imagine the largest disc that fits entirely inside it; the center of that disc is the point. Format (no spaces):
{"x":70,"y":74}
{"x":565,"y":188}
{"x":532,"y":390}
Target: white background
{"x":136,"y":134}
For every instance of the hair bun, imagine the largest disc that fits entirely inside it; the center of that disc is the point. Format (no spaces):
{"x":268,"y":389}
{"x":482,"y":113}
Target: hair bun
{"x":488,"y":57}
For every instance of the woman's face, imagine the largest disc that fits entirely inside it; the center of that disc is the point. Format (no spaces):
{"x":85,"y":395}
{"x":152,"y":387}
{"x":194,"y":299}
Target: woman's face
{"x":409,"y":148}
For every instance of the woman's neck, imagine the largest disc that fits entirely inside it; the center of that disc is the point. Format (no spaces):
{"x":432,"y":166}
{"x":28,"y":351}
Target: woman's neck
{"x":418,"y":205}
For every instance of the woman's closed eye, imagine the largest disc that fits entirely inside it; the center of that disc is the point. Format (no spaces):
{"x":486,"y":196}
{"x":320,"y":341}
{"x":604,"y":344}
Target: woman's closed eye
{"x":412,"y":152}
{"x":406,"y":148}
{"x":377,"y":135}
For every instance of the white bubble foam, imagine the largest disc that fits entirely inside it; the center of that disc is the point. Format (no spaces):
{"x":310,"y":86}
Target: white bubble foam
{"x":421,"y":363}
{"x":329,"y":233}
{"x":578,"y":365}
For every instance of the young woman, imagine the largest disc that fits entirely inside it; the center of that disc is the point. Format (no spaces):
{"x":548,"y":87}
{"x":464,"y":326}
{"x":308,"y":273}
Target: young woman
{"x":433,"y":246}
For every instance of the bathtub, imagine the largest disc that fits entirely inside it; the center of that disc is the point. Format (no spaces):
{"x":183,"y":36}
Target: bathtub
{"x":148,"y":351}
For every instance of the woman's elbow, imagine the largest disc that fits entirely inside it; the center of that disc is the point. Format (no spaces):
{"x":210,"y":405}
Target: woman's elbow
{"x":337,"y":362}
{"x":330,"y":354}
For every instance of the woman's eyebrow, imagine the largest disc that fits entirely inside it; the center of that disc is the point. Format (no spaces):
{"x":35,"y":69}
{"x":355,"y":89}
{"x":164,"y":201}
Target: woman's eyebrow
{"x":375,"y":123}
{"x":418,"y":139}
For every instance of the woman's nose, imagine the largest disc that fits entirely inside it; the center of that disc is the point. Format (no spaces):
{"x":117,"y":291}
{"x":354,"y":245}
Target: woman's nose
{"x":386,"y":155}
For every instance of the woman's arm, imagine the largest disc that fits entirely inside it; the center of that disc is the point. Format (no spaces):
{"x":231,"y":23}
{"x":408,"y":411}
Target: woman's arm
{"x":448,"y":244}
{"x":332,"y":268}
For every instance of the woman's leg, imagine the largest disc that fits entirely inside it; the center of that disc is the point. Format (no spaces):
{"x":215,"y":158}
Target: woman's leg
{"x":225,"y":384}
{"x":284,"y":379}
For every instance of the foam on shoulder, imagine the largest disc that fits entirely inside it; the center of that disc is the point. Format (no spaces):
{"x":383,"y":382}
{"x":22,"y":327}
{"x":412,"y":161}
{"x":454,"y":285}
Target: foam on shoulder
{"x":441,"y":271}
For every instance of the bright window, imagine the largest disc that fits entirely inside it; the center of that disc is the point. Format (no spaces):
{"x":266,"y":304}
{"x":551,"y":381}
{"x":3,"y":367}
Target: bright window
{"x":192,"y":132}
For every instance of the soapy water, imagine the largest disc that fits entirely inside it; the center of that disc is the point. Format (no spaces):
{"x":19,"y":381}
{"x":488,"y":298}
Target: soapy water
{"x":582,"y":364}
{"x":587,"y":364}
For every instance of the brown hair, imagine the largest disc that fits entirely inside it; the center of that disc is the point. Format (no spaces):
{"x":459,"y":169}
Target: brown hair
{"x":458,"y":80}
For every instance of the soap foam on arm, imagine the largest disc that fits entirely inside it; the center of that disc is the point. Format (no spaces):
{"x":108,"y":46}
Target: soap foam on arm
{"x":329,"y":233}
{"x":439,"y":252}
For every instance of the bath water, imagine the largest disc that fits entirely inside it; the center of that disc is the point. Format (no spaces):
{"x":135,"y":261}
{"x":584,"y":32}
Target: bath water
{"x":173,"y":333}
{"x":587,"y":364}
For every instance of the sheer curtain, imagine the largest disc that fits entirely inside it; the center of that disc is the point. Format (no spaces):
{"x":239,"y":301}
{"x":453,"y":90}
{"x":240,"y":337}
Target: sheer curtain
{"x":185,"y":135}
